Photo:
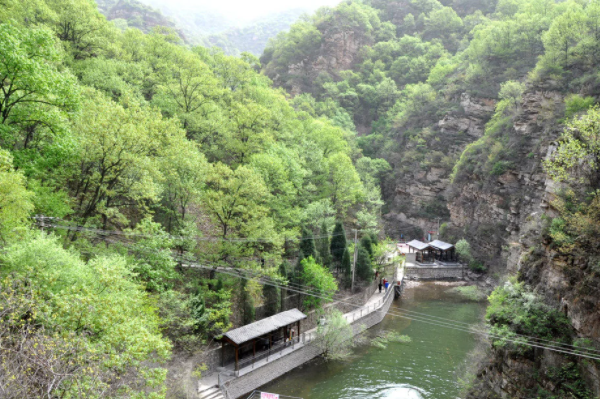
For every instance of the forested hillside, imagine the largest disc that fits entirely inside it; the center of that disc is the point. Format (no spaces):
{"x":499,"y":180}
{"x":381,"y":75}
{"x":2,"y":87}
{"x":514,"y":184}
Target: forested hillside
{"x":486,"y":112}
{"x":126,"y":155}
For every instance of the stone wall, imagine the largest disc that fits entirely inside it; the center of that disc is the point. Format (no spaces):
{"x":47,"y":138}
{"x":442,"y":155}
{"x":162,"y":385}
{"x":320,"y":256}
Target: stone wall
{"x":248,"y":382}
{"x":434,"y":272}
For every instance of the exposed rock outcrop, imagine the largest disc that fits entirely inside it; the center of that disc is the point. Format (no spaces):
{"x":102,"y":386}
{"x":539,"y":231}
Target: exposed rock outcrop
{"x":518,"y":203}
{"x":493,"y":208}
{"x":418,"y":189}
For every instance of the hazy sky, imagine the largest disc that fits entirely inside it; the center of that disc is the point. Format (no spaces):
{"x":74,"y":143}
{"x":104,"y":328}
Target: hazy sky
{"x":247,"y":9}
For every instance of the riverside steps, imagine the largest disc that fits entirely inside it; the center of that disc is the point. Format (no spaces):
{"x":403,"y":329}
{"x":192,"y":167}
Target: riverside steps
{"x":249,"y":376}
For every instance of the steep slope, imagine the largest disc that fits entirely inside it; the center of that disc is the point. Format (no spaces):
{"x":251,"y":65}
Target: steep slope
{"x":391,"y":70}
{"x":467,"y":103}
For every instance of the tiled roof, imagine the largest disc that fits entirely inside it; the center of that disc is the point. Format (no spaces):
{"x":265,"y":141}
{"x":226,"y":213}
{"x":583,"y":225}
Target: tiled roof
{"x":418,"y":245}
{"x":441,"y":245}
{"x":264,"y":326}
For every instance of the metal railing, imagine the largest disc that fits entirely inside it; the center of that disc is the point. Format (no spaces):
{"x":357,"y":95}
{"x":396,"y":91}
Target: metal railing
{"x":279,"y":346}
{"x":307,"y":337}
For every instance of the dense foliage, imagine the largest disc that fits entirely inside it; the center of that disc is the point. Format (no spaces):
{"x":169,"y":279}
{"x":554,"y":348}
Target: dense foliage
{"x":411,"y":66}
{"x":144,"y":154}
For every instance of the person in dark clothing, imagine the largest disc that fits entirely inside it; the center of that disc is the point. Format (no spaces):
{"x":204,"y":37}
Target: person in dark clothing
{"x":380,"y":286}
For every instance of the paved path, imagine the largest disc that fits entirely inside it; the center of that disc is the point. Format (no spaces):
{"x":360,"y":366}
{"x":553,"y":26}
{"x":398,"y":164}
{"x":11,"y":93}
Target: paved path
{"x":374,"y":303}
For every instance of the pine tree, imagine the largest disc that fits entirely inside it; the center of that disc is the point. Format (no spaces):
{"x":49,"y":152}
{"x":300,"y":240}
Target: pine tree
{"x":347,"y":268}
{"x":307,"y":245}
{"x":297,"y":278}
{"x":364,"y":269}
{"x":366,"y":243}
{"x":247,"y":304}
{"x":283,"y":272}
{"x":338,"y":244}
{"x":272,"y":299}
{"x":219,"y":285}
{"x":283,"y":269}
{"x":374,"y":238}
{"x":323,"y":246}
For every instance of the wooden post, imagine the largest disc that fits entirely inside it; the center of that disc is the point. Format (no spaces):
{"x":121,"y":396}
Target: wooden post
{"x":236,"y":359}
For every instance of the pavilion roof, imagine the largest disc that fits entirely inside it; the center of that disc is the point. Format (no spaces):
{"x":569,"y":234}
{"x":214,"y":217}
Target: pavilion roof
{"x":444,"y":246}
{"x":259,"y":328}
{"x":418,"y":245}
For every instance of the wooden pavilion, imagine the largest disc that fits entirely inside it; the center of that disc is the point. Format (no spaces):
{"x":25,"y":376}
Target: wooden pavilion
{"x":269,"y":335}
{"x":444,"y":252}
{"x":424,"y":251}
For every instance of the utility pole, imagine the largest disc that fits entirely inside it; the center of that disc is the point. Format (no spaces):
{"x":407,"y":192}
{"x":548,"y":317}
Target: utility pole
{"x":355,"y":252}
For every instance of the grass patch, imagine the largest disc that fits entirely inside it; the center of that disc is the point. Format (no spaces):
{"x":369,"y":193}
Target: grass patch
{"x":470,"y":292}
{"x":389,"y":336}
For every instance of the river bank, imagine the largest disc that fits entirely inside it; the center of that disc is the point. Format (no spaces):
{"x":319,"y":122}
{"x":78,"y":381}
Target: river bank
{"x":429,"y":367}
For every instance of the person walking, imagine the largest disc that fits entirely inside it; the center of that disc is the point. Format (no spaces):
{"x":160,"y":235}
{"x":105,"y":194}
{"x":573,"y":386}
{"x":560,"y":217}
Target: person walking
{"x":380,"y":286}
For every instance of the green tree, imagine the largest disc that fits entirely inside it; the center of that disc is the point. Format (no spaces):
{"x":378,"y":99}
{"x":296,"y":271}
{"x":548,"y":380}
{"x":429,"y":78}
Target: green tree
{"x":346,"y":267}
{"x":272,"y":298}
{"x":364,"y":268}
{"x":15,"y":200}
{"x":116,"y":165}
{"x":186,"y":86}
{"x":335,"y":336}
{"x":320,"y":281}
{"x":338,"y":243}
{"x":562,"y":37}
{"x":307,"y":244}
{"x":37,"y":94}
{"x":512,"y":92}
{"x":284,"y":274}
{"x":100,"y":298}
{"x":236,"y":201}
{"x":84,"y":31}
{"x":246,"y":303}
{"x":153,"y":256}
{"x":367,"y":244}
{"x":578,"y":154}
{"x":323,"y":246}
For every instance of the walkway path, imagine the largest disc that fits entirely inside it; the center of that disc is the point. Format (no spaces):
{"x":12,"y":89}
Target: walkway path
{"x":375,"y":302}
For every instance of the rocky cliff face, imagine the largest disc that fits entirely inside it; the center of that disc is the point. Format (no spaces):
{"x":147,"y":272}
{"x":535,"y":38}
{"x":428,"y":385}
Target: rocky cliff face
{"x":420,"y":188}
{"x":492,"y":209}
{"x":338,"y":52}
{"x":566,"y":283}
{"x":507,"y":216}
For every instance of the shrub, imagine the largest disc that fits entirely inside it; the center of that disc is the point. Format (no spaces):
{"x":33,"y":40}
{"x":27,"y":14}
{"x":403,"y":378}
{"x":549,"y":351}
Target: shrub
{"x":575,"y":104}
{"x":515,"y":309}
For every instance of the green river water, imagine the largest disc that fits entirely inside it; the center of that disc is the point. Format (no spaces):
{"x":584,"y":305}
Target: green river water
{"x":428,"y":367}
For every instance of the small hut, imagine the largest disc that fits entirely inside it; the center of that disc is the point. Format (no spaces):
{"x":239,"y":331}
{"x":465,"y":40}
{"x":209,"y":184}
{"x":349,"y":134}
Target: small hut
{"x":444,"y":252}
{"x":424,"y":253}
{"x":258,"y":340}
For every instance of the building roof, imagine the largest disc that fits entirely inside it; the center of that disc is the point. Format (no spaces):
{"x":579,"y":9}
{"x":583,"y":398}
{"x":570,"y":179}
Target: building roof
{"x":418,"y":245}
{"x":264,"y":326}
{"x":444,"y":246}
